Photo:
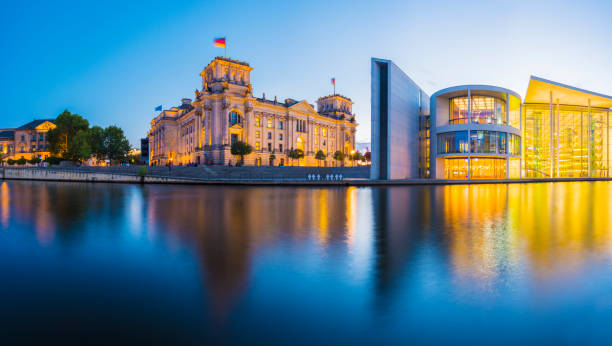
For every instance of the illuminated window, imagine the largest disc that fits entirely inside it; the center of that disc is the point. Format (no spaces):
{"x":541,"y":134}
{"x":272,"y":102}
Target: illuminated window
{"x":234,"y":118}
{"x":270,"y":123}
{"x":458,"y":110}
{"x":316,"y":131}
{"x":488,"y":110}
{"x":258,"y":122}
{"x":324,"y":132}
{"x":257,"y":146}
{"x":453,"y":142}
{"x":257,"y":134}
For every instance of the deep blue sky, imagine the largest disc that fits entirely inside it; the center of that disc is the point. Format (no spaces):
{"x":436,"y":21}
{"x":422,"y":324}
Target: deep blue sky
{"x":114,"y":61}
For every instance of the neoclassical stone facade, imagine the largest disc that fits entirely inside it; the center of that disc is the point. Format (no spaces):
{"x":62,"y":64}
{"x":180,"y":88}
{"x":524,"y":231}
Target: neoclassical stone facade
{"x":27,"y":141}
{"x":202,"y":131}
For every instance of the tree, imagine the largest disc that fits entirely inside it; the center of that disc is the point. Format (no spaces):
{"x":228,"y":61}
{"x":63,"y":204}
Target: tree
{"x":296,"y":154}
{"x":367,"y":156}
{"x":22,"y":161}
{"x":272,"y":158}
{"x":35,"y":160}
{"x":355,"y":156}
{"x":241,"y":149}
{"x":79,"y":149}
{"x":96,"y":142}
{"x":339,"y":156}
{"x":116,"y":146}
{"x":61,"y":137}
{"x":53,"y":160}
{"x":320,"y":156}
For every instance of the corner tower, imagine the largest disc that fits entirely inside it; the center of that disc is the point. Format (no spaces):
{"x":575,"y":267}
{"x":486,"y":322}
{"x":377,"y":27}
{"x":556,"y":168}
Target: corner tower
{"x":224,"y":74}
{"x":336,"y":106}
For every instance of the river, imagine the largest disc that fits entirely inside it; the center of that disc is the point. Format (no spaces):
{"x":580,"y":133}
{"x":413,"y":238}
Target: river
{"x":172,"y":264}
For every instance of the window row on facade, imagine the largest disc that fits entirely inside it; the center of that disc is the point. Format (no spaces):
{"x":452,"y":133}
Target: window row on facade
{"x":481,"y":168}
{"x":484,"y":110}
{"x":485,"y":142}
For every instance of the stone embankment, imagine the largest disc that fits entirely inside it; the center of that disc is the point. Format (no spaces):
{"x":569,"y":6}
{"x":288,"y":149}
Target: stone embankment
{"x":191,"y":175}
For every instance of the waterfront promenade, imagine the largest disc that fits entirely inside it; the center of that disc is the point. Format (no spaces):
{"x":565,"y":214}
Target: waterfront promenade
{"x":225,"y":175}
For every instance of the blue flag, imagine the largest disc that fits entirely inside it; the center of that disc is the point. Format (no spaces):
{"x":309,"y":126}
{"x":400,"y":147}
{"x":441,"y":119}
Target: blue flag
{"x":158,"y":108}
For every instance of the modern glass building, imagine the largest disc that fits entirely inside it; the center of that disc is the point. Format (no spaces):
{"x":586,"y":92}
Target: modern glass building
{"x":487,"y":132}
{"x":476,"y":133}
{"x":566,"y":131}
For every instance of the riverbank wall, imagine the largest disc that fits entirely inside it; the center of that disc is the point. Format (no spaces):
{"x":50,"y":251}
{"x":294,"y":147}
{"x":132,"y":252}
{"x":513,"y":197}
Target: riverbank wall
{"x":127,"y":175}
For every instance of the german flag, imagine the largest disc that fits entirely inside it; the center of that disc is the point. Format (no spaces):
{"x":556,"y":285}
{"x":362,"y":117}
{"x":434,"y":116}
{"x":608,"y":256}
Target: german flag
{"x":219,"y":42}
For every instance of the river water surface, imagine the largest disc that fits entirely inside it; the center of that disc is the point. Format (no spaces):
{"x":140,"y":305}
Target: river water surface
{"x":494,"y":264}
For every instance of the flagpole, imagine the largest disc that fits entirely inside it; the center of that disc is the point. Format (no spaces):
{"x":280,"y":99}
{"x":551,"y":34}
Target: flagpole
{"x":225,"y":48}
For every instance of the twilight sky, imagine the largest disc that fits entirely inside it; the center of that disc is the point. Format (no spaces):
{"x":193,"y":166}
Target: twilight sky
{"x":114,"y":61}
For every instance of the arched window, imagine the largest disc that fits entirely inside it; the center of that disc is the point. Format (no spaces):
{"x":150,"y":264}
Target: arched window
{"x":234,"y":118}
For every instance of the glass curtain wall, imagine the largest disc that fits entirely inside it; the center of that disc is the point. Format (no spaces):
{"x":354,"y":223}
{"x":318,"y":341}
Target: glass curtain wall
{"x":456,"y":168}
{"x":514,"y":112}
{"x":459,"y":110}
{"x":536,"y":136}
{"x":578,"y":143}
{"x":599,"y":142}
{"x":453,"y":142}
{"x":488,"y":168}
{"x":488,"y":110}
{"x":424,"y":142}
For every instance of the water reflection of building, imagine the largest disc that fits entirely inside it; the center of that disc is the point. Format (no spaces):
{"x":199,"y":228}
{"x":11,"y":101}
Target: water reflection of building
{"x":230,"y":225}
{"x":485,"y":132}
{"x":483,"y":235}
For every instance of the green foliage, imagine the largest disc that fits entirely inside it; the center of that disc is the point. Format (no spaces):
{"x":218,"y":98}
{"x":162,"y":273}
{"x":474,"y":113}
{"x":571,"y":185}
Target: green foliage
{"x":22,"y":161}
{"x":73,"y":140}
{"x":116,"y":146}
{"x":10,"y":162}
{"x":356,"y":156}
{"x":79,"y":149}
{"x":53,"y":160}
{"x":296,"y":154}
{"x":339,"y":155}
{"x":272,"y":157}
{"x":320,"y":155}
{"x":35,"y":160}
{"x":142,"y":171}
{"x":241,"y":149}
{"x":368,"y":156}
{"x":96,"y":142}
{"x":61,"y":138}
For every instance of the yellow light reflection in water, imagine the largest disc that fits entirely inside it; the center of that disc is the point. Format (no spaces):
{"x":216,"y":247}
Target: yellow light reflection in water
{"x":321,"y":208}
{"x":5,"y":201}
{"x":547,"y":230}
{"x":43,"y":220}
{"x":350,"y":214}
